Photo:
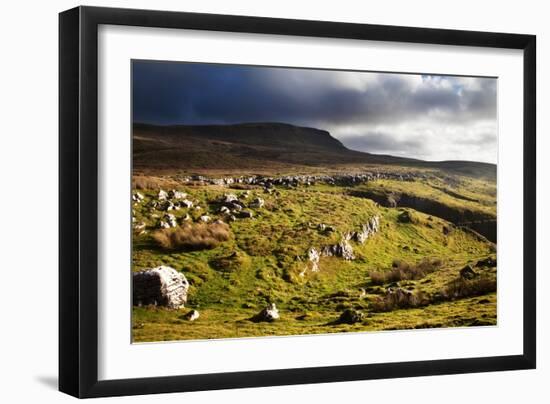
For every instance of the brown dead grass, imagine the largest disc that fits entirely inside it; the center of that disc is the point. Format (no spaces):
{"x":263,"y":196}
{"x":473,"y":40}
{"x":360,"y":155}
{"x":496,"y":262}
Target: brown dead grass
{"x":403,"y":271}
{"x":148,"y":182}
{"x":398,"y":299}
{"x":192,"y":237}
{"x":461,"y":288}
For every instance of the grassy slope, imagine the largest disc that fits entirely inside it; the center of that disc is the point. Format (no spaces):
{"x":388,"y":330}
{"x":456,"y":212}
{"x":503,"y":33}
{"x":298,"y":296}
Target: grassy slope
{"x":227,"y":296}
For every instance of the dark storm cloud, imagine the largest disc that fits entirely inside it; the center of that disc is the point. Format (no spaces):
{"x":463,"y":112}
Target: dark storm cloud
{"x":369,"y":108}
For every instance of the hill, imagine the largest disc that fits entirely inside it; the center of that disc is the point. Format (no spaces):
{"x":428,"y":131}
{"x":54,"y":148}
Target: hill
{"x":252,"y":146}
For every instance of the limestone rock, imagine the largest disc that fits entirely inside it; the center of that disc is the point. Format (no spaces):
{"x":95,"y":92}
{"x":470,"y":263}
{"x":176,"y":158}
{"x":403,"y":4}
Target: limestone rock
{"x":313,"y":256}
{"x":192,"y":315}
{"x":268,"y":314}
{"x":230,"y":198}
{"x":367,"y":229}
{"x":170,"y":219}
{"x":186,"y":203}
{"x":162,"y":286}
{"x":162,"y":195}
{"x":177,"y":194}
{"x":137,"y":197}
{"x":257,"y":203}
{"x":342,"y":249}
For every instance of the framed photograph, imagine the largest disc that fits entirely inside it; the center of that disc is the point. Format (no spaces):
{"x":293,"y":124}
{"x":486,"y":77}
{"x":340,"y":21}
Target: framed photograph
{"x":251,"y":201}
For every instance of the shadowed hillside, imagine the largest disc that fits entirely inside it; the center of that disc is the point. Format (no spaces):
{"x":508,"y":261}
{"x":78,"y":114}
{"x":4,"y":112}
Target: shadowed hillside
{"x":262,"y":145}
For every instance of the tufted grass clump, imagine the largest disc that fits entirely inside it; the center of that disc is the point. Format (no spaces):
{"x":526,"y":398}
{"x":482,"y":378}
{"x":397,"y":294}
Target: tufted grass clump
{"x":192,"y":237}
{"x":460,"y":288}
{"x":404,"y":271}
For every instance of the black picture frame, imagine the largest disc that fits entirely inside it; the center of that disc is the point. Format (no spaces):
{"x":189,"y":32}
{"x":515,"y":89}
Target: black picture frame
{"x":78,"y":201}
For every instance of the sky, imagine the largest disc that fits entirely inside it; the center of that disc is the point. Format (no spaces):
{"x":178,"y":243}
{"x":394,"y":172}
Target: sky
{"x":411,"y":115}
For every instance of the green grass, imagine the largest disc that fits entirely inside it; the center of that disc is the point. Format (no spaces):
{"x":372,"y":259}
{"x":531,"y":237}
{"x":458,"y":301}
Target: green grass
{"x":476,"y":195}
{"x":229,"y":289}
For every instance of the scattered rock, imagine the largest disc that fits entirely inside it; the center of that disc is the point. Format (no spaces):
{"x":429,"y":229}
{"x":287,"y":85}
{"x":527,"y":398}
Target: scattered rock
{"x":321,"y":227}
{"x":232,"y":218}
{"x":246,"y":214}
{"x":350,"y":316}
{"x":176,"y":194}
{"x":230,"y":198}
{"x":162,"y":195}
{"x":192,"y":315}
{"x":139,"y":226}
{"x":167,"y":206}
{"x":235,"y":206}
{"x":170,"y":219}
{"x":225,"y":210}
{"x":137,"y":197}
{"x":268,"y":314}
{"x":186,"y":203}
{"x":163,"y":286}
{"x":204,"y":218}
{"x":257,"y":203}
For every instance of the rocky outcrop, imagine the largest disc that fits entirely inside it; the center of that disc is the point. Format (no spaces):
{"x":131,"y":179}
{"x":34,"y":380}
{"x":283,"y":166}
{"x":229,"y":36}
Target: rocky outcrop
{"x":342,"y":249}
{"x":162,"y":286}
{"x":313,"y":256}
{"x":483,"y":223}
{"x":367,"y":230}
